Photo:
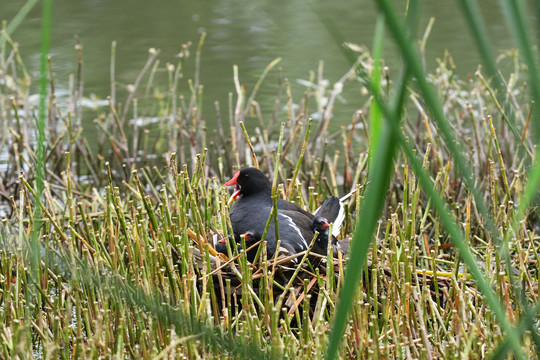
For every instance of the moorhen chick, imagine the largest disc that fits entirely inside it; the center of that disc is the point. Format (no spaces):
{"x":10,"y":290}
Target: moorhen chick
{"x":250,"y":237}
{"x":321,"y":225}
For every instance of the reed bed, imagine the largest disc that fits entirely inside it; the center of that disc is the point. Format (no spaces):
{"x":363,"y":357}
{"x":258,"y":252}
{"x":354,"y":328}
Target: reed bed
{"x":127,"y":221}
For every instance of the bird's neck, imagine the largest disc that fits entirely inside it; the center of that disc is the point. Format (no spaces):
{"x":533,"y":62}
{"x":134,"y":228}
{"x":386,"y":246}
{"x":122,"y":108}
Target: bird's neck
{"x":264,"y":195}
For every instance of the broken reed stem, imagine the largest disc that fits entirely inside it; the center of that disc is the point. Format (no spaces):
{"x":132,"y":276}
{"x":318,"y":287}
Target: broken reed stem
{"x":248,"y":141}
{"x":292,"y":185}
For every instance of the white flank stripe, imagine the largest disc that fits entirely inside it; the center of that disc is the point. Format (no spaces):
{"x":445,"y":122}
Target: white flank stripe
{"x":339,"y":219}
{"x":293,"y":225}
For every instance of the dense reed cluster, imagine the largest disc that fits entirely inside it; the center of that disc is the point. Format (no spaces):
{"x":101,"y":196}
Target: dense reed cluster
{"x":127,"y":220}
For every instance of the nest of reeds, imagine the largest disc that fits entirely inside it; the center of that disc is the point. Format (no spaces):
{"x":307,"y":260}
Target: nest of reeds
{"x":294,"y":281}
{"x":287,"y":278}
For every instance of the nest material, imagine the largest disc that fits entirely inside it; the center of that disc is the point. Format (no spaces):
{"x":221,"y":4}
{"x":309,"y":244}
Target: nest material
{"x":304,"y":275}
{"x":283,"y":265}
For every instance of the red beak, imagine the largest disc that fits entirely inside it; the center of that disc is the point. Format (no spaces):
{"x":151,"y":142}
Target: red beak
{"x":222,"y":241}
{"x":233,"y":182}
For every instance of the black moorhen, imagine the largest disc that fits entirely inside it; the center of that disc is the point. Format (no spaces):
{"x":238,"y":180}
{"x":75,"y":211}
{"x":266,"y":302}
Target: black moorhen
{"x":252,"y":211}
{"x":331,"y":211}
{"x":321,"y":225}
{"x":220,"y":246}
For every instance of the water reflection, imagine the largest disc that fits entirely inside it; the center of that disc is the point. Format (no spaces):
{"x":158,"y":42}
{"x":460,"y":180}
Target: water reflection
{"x":247,"y":33}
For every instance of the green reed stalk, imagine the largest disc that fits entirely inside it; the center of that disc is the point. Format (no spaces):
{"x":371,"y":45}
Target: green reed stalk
{"x":292,"y":185}
{"x":379,"y":178}
{"x":248,"y":141}
{"x":275,"y":193}
{"x":365,"y":226}
{"x":16,"y":21}
{"x":376,"y":119}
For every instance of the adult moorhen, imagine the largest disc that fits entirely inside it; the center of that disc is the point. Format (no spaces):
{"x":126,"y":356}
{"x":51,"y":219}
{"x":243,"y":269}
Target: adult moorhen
{"x":252,"y":210}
